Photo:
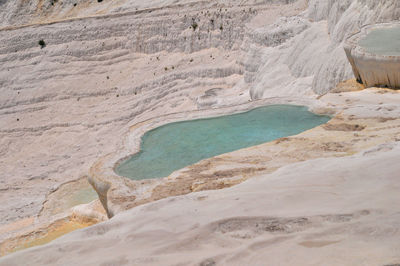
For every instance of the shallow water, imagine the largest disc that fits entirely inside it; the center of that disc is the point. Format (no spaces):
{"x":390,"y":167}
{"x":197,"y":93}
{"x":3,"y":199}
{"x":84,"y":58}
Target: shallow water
{"x":81,"y":196}
{"x":176,"y":145}
{"x":385,"y":41}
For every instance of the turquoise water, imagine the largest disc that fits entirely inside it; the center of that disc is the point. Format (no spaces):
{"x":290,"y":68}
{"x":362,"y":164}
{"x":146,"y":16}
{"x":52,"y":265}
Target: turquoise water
{"x":382,"y":41}
{"x":176,"y":145}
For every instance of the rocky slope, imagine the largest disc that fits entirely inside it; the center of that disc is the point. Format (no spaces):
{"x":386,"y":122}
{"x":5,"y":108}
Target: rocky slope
{"x":65,"y":104}
{"x":108,"y":65}
{"x":304,"y":213}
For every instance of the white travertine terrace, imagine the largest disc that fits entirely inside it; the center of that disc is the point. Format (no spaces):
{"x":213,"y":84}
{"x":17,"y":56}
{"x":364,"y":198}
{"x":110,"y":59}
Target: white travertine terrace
{"x":110,"y":71}
{"x":374,"y":68}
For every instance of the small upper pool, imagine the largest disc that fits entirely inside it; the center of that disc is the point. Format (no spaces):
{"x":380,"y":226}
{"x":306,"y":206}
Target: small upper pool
{"x":176,"y":145}
{"x":382,"y":41}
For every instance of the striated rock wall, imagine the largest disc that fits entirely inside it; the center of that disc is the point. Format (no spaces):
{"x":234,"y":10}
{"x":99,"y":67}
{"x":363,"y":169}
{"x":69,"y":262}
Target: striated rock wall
{"x":22,"y":12}
{"x":315,"y":58}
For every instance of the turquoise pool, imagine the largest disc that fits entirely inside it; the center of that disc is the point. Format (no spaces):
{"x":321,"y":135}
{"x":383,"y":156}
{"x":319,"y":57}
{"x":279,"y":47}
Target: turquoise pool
{"x":384,"y":41}
{"x":176,"y":145}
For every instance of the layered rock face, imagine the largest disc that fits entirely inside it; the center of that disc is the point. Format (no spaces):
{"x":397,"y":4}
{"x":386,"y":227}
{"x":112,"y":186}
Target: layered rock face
{"x":374,"y":55}
{"x":94,"y":76}
{"x":67,"y":103}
